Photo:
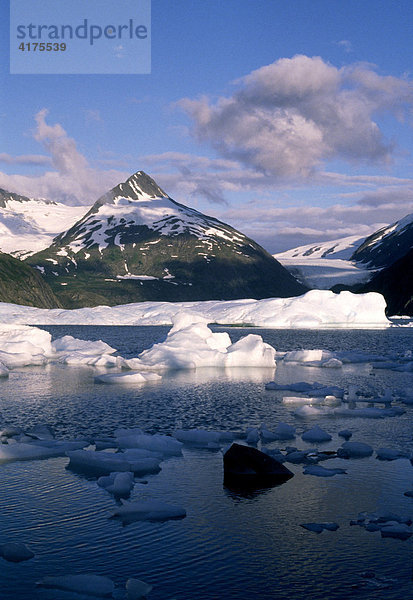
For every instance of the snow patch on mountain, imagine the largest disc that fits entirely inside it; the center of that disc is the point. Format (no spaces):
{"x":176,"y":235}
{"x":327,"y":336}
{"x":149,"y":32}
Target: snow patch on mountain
{"x":129,"y":205}
{"x":28,"y":225}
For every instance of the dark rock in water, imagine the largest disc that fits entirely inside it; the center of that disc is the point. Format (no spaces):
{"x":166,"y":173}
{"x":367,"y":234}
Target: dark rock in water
{"x":248,"y":467}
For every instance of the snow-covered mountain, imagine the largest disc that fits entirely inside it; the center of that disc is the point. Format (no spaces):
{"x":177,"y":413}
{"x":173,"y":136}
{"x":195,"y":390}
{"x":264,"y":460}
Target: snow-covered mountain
{"x":387,"y":245}
{"x":28,"y":225}
{"x":136,"y":243}
{"x":326,"y":264}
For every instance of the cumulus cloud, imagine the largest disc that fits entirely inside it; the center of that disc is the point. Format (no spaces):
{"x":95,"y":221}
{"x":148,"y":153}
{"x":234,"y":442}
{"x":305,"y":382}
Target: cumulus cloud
{"x":287,"y":118}
{"x":73,"y":180}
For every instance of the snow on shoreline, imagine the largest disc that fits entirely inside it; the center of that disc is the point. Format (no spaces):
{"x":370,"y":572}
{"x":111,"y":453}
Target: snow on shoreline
{"x":314,"y":310}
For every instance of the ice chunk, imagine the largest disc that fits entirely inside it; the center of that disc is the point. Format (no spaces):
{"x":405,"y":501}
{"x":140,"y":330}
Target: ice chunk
{"x":15,"y":552}
{"x":148,"y":510}
{"x":316,"y":435}
{"x":332,"y":363}
{"x":137,"y":589}
{"x":68,"y":344}
{"x":199,"y":438}
{"x":354,"y":450}
{"x":253,"y":436}
{"x":302,"y":400}
{"x":127,"y":378}
{"x":396,"y":530}
{"x":104,"y":463}
{"x":37,"y":449}
{"x":190,"y":344}
{"x":162,"y":444}
{"x":119,"y":484}
{"x":21,"y":345}
{"x":89,"y":585}
{"x":320,"y":471}
{"x":42,"y":431}
{"x":303,"y":356}
{"x":283,"y":431}
{"x":266,"y":435}
{"x":345,"y":433}
{"x":390,"y":454}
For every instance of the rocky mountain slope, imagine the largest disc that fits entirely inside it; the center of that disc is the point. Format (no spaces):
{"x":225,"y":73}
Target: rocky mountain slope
{"x":387,"y":245}
{"x":20,"y":284}
{"x":137,"y":244}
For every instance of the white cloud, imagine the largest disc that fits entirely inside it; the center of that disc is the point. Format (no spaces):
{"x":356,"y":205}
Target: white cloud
{"x":25,"y":159}
{"x":287,"y":118}
{"x":73,"y":181}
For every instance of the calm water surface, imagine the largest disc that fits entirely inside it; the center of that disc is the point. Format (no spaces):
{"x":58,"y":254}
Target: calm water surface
{"x":230,"y":546}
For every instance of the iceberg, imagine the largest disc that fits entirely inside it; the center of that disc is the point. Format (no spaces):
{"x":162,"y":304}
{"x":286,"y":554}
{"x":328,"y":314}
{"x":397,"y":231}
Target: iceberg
{"x":191,"y":344}
{"x":315,"y":309}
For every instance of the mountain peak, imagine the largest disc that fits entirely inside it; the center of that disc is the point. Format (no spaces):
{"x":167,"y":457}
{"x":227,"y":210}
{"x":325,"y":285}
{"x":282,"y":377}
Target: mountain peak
{"x":140,"y":183}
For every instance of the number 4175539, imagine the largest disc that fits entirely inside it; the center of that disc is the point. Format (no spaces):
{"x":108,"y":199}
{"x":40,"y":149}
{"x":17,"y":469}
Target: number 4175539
{"x":43,"y":46}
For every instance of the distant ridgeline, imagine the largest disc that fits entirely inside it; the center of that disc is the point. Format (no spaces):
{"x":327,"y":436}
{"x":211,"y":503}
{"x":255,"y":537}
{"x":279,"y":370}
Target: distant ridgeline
{"x":137,"y":244}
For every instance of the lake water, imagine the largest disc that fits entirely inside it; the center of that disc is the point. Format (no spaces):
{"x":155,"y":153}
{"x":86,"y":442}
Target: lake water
{"x":230,"y":546}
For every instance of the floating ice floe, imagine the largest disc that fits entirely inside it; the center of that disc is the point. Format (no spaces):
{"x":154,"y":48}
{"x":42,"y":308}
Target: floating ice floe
{"x":201,"y":438}
{"x":148,"y":510}
{"x":345,"y":433}
{"x":37,"y":449}
{"x":73,"y":351}
{"x":104,"y":463}
{"x":389,"y":524}
{"x":127,"y":378}
{"x":390,"y":454}
{"x":15,"y":552}
{"x":119,"y":484}
{"x":89,"y":585}
{"x":354,"y":450}
{"x":316,"y":435}
{"x":320,"y":471}
{"x":315,"y":309}
{"x":161,"y":445}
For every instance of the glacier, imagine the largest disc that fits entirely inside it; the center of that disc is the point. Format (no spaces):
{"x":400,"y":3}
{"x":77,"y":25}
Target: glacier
{"x":314,"y":310}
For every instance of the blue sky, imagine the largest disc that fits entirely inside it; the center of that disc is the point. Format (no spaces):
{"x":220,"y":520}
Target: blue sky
{"x":290,"y":121}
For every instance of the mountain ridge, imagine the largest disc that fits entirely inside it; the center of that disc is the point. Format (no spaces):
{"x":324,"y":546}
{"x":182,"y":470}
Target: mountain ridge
{"x":136,"y":243}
